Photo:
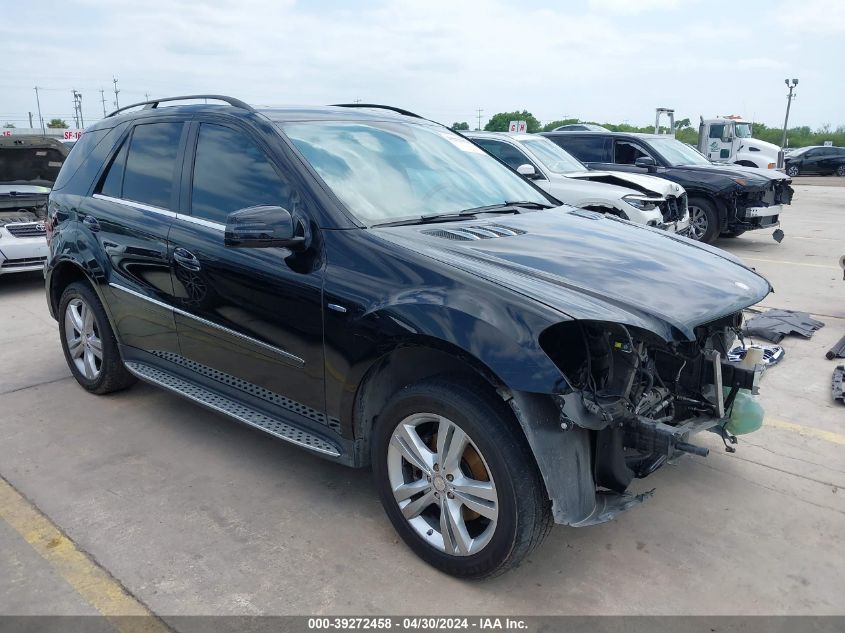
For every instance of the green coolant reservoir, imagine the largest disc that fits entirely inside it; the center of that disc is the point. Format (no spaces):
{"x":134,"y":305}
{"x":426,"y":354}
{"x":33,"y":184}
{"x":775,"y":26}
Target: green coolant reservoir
{"x":746,"y":414}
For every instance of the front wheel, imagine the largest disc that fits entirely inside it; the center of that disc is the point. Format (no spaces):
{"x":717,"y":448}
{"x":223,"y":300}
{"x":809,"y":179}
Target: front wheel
{"x":457,"y":479}
{"x":840,"y":171}
{"x":792,"y":171}
{"x":704,"y":220}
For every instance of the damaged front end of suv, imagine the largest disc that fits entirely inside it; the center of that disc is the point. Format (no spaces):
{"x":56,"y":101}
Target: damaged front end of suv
{"x":634,"y":404}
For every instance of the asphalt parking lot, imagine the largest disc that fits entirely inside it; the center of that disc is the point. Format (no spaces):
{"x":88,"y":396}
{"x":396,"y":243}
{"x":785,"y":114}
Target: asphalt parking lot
{"x":186,"y":512}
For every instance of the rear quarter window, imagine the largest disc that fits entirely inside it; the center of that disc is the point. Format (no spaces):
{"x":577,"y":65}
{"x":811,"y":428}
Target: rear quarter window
{"x":79,"y":154}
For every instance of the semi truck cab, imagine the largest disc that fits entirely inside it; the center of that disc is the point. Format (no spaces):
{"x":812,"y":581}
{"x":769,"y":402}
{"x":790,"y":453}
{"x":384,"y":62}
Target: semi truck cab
{"x":728,"y":139}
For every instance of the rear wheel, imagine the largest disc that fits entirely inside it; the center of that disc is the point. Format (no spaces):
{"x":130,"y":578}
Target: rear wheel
{"x":88,"y":342}
{"x":457,"y":479}
{"x":704,"y":220}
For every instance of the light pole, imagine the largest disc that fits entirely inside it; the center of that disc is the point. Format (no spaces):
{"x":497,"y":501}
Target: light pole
{"x":789,"y":99}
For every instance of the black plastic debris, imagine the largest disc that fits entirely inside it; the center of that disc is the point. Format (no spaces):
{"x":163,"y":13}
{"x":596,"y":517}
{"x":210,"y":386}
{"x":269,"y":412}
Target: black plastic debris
{"x":773,"y":325}
{"x":837,"y":351}
{"x":772,"y":354}
{"x":839,"y":383}
{"x":777,"y":236}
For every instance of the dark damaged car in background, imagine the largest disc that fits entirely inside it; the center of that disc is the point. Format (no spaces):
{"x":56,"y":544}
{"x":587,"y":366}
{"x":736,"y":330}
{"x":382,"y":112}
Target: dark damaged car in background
{"x":375,"y":289}
{"x":724,"y":200}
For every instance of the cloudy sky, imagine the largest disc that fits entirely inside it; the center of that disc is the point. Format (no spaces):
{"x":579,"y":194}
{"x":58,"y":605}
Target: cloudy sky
{"x":604,"y":60}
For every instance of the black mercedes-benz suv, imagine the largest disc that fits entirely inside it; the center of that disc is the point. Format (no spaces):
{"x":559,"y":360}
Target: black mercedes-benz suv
{"x":724,"y":200}
{"x":377,"y":290}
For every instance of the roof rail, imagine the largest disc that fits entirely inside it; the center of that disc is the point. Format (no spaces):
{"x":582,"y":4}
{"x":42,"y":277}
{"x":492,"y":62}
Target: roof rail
{"x":154,"y":103}
{"x":379,"y":106}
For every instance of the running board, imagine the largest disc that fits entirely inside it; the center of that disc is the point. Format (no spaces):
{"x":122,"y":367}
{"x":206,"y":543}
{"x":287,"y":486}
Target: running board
{"x":232,"y":408}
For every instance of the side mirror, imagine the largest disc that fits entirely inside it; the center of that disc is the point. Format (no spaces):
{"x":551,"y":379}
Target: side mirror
{"x":527,"y":170}
{"x":647,"y":162}
{"x":262,"y":227}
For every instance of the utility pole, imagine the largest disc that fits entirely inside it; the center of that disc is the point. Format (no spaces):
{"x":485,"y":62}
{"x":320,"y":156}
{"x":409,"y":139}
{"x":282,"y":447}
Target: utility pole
{"x":40,"y":118}
{"x":30,"y":119}
{"x":479,"y":118}
{"x":116,"y":102}
{"x":146,"y":96}
{"x":103,"y":99}
{"x":789,"y":99}
{"x":357,"y":99}
{"x":77,"y":109}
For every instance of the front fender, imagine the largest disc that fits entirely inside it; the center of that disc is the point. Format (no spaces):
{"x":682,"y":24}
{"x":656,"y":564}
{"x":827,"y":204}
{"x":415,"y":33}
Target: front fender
{"x":504,"y":346}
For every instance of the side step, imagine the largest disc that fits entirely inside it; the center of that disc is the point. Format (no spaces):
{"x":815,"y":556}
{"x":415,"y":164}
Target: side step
{"x":232,"y":408}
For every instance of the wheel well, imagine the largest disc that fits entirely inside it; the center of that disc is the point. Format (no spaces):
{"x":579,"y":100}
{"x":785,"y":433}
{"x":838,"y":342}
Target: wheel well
{"x":406,"y":366}
{"x":720,"y":207}
{"x":62,"y":276}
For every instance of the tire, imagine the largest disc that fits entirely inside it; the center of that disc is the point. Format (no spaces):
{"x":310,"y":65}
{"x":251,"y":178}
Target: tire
{"x":840,"y":171}
{"x":88,"y":342}
{"x":792,"y":171}
{"x":704,"y":220}
{"x":517,"y":512}
{"x":735,"y":233}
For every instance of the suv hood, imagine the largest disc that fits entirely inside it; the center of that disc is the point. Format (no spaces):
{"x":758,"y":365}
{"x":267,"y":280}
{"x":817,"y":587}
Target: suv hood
{"x":590,"y":266}
{"x":756,"y":177}
{"x":649,"y":185}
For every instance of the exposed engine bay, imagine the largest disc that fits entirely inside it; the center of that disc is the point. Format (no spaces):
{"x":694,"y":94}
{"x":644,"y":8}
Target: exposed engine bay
{"x":643,"y":397}
{"x":35,"y":213}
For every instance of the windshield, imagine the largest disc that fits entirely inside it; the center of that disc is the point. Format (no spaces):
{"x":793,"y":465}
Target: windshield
{"x":743,"y":130}
{"x":676,"y":153}
{"x":554,"y":157}
{"x":30,"y":165}
{"x":385,"y":171}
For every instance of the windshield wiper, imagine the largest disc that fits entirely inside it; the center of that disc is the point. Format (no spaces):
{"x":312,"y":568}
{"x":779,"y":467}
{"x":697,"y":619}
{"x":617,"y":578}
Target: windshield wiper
{"x":427,"y":219}
{"x":507,"y":207}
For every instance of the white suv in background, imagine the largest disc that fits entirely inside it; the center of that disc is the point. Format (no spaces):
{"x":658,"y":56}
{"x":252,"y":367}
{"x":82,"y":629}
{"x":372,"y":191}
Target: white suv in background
{"x":635,"y":197}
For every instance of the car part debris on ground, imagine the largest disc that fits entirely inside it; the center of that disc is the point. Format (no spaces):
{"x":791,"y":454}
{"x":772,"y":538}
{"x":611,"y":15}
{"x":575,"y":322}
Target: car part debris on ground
{"x":837,"y":351}
{"x":839,"y":383}
{"x":778,"y":236}
{"x":772,"y":354}
{"x":773,"y":325}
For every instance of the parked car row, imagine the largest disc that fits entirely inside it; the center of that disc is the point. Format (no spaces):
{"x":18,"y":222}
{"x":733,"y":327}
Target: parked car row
{"x":382,"y":292}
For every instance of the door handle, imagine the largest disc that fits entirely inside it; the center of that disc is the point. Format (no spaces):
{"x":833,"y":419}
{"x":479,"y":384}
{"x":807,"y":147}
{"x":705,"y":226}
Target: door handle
{"x":186,"y":259}
{"x":91,"y":222}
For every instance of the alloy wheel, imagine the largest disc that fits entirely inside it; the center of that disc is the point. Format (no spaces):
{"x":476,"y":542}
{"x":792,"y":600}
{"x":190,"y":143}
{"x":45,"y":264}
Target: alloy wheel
{"x":792,"y":172}
{"x":82,"y":335}
{"x":840,"y":171}
{"x":442,"y":484}
{"x":698,"y":222}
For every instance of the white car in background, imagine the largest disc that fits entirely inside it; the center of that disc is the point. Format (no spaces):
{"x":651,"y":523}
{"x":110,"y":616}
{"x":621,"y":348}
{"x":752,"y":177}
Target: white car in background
{"x":636,"y":197}
{"x":29,"y":166}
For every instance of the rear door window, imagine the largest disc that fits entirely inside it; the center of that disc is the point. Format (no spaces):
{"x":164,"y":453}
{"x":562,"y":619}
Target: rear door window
{"x":150,"y":170}
{"x":587,"y":149}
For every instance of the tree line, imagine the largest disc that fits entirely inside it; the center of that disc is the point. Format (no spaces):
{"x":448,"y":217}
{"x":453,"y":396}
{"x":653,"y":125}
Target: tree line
{"x":684,"y":131}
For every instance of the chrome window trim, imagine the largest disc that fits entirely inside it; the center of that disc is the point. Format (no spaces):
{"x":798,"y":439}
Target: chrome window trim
{"x":137,"y":205}
{"x":291,"y":358}
{"x":217,"y":226}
